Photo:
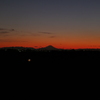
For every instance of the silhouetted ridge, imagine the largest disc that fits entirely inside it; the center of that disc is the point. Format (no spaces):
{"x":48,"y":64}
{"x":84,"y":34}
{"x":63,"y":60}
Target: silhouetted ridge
{"x":50,"y":47}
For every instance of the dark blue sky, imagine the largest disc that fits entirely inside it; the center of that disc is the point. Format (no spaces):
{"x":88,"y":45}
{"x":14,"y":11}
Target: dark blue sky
{"x":67,"y":19}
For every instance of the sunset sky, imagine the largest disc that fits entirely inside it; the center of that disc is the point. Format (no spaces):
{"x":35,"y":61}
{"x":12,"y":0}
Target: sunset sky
{"x":39,"y":23}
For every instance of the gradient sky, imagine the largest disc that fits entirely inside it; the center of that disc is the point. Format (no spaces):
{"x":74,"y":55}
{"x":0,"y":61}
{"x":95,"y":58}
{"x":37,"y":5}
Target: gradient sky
{"x":61,"y":23}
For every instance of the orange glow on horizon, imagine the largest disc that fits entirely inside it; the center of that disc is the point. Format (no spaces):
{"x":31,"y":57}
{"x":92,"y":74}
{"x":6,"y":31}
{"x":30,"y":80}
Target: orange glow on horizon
{"x":61,"y":42}
{"x":44,"y":45}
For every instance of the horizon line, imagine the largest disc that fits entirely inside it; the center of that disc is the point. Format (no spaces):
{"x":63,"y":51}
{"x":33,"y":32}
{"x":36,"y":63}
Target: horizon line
{"x":50,"y":45}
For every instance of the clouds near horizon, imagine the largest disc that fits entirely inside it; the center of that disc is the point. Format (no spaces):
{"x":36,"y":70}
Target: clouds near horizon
{"x":11,"y":40}
{"x":46,"y":32}
{"x":4,"y":31}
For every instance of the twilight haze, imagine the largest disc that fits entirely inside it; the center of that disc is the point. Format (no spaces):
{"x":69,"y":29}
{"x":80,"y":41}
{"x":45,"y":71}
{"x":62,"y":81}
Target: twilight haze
{"x":61,"y":23}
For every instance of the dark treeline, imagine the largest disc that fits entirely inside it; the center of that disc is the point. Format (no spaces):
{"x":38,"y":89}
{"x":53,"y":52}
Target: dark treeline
{"x":56,"y":57}
{"x":75,"y":71}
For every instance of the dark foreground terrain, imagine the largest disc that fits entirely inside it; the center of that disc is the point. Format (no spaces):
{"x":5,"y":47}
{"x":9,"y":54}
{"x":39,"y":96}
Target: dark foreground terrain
{"x":52,"y":74}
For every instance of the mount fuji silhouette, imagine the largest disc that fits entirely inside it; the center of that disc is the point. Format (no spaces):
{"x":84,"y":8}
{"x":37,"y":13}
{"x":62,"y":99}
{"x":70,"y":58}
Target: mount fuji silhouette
{"x":50,"y":47}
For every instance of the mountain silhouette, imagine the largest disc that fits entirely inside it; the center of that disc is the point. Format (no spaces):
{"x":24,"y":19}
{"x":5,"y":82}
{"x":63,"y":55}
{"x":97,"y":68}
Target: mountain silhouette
{"x":50,"y":47}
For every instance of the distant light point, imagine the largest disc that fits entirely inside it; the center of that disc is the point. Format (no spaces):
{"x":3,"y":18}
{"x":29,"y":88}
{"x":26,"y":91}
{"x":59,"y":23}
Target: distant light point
{"x":29,"y":60}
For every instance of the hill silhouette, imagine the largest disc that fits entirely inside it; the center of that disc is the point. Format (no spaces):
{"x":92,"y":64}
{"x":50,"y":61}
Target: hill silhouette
{"x":50,"y":47}
{"x":47,"y":48}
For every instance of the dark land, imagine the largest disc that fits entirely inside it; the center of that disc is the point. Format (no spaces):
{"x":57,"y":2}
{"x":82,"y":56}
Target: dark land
{"x":66,"y":73}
